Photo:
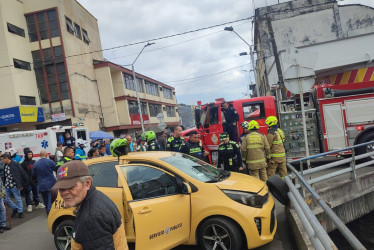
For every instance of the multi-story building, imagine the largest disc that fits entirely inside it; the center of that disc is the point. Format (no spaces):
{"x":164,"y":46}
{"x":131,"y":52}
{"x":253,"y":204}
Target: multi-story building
{"x":119,"y":102}
{"x":46,"y":65}
{"x":48,"y":76}
{"x":338,"y":37}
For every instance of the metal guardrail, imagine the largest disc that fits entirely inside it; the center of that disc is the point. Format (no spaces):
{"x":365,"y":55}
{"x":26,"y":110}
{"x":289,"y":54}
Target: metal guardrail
{"x":317,"y":234}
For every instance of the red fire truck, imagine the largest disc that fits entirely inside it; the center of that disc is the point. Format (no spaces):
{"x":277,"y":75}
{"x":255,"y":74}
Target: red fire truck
{"x":336,"y":117}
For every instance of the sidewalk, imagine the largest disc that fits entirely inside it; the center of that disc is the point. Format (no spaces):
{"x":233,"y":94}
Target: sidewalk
{"x":33,"y":234}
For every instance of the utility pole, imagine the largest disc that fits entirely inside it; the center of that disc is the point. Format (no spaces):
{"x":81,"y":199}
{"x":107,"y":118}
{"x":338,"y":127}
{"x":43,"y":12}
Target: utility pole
{"x":136,"y":88}
{"x":251,"y":54}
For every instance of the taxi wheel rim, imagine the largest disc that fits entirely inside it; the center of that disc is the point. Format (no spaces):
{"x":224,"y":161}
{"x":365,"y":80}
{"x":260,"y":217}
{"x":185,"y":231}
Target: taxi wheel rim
{"x":64,"y":237}
{"x":216,"y":237}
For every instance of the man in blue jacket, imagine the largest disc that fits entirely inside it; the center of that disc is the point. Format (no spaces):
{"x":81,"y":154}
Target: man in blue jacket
{"x":43,"y":170}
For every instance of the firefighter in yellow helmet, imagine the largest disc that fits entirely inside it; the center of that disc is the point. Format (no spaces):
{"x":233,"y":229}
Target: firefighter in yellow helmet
{"x":255,"y":151}
{"x":276,"y":138}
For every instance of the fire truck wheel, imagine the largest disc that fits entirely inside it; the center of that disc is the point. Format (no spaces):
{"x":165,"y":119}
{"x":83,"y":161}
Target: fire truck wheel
{"x":278,"y":189}
{"x":369,"y":136}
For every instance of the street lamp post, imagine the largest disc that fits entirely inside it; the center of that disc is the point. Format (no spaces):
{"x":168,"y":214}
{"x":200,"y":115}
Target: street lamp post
{"x":251,"y":54}
{"x":136,"y":87}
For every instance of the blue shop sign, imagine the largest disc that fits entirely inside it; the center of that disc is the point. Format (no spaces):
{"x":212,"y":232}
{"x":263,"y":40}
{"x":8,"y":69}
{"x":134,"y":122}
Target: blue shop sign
{"x":21,"y":114}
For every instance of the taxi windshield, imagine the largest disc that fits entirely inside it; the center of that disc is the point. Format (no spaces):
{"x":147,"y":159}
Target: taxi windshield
{"x":195,"y":168}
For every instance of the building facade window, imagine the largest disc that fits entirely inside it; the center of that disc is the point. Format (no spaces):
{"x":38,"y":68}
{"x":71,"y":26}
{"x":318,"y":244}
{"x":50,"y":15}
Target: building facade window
{"x":77,"y":30}
{"x":15,"y":30}
{"x":85,"y":37}
{"x":46,"y":24}
{"x":134,"y":110}
{"x":170,"y":111}
{"x":69,"y":25}
{"x":151,"y":88}
{"x":51,"y":75}
{"x":27,"y":100}
{"x":19,"y":64}
{"x":154,"y":109}
{"x":167,"y":93}
{"x":129,"y":84}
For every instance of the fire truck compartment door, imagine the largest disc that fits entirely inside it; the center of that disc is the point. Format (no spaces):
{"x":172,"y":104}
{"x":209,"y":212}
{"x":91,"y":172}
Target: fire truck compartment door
{"x":334,"y":125}
{"x":360,"y":111}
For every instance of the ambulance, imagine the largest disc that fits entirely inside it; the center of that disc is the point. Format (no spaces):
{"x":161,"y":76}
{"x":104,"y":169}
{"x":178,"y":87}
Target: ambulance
{"x":42,"y":139}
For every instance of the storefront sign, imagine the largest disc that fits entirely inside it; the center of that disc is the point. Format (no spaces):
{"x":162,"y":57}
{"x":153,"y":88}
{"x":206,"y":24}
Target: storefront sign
{"x":58,"y":117}
{"x":21,"y":114}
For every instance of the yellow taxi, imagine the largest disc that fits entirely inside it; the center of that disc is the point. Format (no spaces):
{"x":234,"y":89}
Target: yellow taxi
{"x":168,"y":199}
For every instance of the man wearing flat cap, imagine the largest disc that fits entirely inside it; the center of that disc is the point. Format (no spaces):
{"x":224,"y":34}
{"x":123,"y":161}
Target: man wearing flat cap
{"x":98,"y":223}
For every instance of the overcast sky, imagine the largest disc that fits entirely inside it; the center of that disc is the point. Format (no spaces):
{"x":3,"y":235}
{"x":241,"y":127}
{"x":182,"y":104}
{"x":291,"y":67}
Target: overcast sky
{"x":203,"y":65}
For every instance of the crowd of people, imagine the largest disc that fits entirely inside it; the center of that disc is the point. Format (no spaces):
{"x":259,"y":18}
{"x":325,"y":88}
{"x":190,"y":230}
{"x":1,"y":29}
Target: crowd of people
{"x":28,"y":178}
{"x":253,"y":153}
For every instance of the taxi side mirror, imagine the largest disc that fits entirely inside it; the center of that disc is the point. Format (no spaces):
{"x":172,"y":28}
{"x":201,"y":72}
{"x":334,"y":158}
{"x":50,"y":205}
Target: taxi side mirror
{"x":186,"y":189}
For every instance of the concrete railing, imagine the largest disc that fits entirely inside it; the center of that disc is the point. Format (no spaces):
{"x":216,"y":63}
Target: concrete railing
{"x":317,"y":234}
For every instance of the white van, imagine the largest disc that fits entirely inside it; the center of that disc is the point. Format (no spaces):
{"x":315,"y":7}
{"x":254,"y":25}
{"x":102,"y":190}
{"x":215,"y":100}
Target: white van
{"x":43,"y":139}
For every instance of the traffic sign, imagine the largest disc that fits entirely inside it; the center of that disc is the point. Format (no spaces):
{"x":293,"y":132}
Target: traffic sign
{"x":160,"y":116}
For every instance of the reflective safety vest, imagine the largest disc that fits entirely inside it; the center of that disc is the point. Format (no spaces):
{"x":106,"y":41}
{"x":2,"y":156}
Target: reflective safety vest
{"x":175,"y":144}
{"x":229,"y":156}
{"x":62,"y":161}
{"x":194,"y":149}
{"x":153,"y":146}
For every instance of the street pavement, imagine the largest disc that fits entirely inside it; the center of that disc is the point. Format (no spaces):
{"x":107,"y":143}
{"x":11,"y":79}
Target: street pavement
{"x":31,"y":232}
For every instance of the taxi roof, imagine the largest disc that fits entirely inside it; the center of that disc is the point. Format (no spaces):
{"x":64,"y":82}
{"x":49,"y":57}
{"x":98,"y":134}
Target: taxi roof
{"x":147,"y":156}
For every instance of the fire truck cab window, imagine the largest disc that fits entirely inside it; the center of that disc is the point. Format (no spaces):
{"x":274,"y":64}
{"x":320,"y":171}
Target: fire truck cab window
{"x":254,"y":110}
{"x":211,"y":116}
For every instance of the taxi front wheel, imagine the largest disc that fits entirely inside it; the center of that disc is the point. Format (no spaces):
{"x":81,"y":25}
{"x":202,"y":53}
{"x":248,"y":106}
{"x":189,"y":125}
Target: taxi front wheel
{"x":63,"y":234}
{"x":220,"y":233}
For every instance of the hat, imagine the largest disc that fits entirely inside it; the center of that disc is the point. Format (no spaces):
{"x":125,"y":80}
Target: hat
{"x":69,"y":174}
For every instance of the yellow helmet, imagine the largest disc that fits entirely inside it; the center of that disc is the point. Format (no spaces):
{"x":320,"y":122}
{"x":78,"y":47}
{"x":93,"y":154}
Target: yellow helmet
{"x":253,"y":125}
{"x":271,"y":121}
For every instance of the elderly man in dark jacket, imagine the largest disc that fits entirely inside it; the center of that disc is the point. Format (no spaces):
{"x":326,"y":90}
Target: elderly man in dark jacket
{"x":98,"y":223}
{"x":15,"y":179}
{"x":43,"y":170}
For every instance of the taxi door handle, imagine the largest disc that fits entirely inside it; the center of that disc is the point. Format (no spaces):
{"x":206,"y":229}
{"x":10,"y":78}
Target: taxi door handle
{"x":145,"y":210}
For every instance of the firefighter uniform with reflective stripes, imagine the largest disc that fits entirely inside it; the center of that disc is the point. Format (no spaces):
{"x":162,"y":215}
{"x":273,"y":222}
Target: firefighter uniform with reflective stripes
{"x":194,"y":149}
{"x":175,"y":144}
{"x":255,"y":152}
{"x":229,"y":156}
{"x":275,"y":138}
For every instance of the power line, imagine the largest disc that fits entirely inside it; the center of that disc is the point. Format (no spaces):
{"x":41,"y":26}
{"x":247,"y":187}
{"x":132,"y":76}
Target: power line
{"x":172,"y":45}
{"x":152,"y":40}
{"x":203,"y":77}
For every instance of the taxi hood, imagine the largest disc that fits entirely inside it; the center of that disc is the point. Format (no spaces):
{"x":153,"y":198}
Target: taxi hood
{"x":241,"y":182}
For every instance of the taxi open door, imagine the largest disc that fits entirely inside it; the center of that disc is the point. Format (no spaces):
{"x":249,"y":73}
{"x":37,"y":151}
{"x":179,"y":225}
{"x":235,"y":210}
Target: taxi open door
{"x":160,"y":204}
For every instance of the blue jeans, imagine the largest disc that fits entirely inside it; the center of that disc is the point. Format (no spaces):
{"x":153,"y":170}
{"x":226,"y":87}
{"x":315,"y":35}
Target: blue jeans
{"x":46,"y":195}
{"x":2,"y":213}
{"x":15,"y":191}
{"x":35,"y":193}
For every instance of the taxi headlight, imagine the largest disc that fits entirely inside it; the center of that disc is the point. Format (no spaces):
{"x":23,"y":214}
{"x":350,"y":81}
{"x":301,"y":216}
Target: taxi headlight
{"x":249,"y":199}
